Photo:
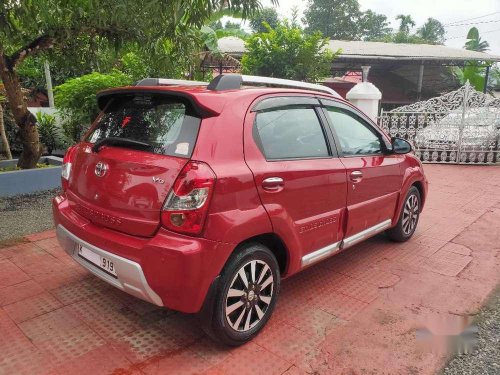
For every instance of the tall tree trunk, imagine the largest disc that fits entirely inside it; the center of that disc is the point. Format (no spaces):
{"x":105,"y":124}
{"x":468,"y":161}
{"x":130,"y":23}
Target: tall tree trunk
{"x":3,"y":136}
{"x":32,"y":148}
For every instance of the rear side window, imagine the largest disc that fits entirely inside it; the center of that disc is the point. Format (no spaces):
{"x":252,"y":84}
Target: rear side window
{"x":166,"y":125}
{"x":290,"y":133}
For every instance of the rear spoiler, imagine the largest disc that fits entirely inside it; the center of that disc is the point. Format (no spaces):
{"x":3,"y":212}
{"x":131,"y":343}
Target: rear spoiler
{"x":104,"y":97}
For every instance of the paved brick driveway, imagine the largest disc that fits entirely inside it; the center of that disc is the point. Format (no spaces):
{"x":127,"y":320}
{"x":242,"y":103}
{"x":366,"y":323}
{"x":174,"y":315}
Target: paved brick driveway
{"x":355,"y":313}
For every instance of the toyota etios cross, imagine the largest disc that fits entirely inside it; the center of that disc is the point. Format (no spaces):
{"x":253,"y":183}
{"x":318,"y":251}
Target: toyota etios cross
{"x":200,"y":198}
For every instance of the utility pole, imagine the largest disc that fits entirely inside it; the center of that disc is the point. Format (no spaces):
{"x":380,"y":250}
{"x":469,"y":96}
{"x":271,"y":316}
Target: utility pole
{"x":486,"y":77}
{"x":48,"y":80}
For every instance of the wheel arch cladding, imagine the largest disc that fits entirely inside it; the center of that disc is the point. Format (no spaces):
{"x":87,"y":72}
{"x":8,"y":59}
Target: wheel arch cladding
{"x":420,"y":188}
{"x":274,"y":243}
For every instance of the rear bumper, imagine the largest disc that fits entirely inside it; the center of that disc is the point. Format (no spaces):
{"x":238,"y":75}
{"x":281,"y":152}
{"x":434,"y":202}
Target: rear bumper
{"x":130,"y":276}
{"x":169,"y":269}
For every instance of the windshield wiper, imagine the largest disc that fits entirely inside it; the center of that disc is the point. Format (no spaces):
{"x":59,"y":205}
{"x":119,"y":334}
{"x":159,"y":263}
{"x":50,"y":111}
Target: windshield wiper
{"x":117,"y":141}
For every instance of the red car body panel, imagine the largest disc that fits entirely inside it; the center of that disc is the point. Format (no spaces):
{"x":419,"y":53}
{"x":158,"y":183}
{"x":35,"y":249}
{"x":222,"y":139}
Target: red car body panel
{"x":317,"y":206}
{"x":321,"y":183}
{"x":374,"y":199}
{"x":126,"y":200}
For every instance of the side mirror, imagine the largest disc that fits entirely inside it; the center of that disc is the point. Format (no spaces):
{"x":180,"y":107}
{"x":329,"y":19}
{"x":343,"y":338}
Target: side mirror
{"x":400,"y":146}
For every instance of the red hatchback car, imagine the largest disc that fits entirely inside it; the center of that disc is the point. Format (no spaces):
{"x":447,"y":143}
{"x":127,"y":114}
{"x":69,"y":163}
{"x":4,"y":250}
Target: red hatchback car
{"x":200,"y":198}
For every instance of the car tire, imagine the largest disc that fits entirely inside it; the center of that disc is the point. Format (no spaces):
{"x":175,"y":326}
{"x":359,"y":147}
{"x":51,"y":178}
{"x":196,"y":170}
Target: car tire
{"x":408,"y":217}
{"x":245,"y":296}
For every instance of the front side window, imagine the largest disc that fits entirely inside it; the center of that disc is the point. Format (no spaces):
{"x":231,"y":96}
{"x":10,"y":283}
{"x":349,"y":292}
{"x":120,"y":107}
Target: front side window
{"x":164,"y":124}
{"x":291,"y":133}
{"x":356,"y":137}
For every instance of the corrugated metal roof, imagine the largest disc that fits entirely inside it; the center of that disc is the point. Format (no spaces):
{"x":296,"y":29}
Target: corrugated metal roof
{"x":358,"y":49}
{"x":378,"y":50}
{"x":231,"y":44}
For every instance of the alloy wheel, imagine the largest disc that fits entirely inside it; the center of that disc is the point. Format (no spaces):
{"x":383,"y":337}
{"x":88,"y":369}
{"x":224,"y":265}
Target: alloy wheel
{"x":410,"y":214}
{"x":249,"y":295}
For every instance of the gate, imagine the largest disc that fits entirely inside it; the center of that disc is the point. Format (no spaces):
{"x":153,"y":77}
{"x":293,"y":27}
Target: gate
{"x":461,"y":127}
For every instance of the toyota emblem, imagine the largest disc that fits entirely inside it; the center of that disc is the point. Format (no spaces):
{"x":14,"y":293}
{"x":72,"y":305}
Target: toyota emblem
{"x":101,"y":169}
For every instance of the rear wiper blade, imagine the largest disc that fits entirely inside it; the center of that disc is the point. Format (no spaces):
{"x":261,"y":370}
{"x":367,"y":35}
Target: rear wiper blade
{"x":117,"y":141}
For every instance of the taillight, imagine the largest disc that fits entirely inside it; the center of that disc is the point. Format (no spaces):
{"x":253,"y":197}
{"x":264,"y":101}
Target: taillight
{"x":186,"y":206}
{"x":66,"y":167}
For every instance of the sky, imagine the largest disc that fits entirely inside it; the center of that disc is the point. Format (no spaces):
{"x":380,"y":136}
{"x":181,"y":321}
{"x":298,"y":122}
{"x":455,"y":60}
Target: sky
{"x":446,"y":11}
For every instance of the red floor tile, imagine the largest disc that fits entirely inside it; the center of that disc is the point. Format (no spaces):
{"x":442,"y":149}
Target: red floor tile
{"x":306,"y":317}
{"x":253,"y":359}
{"x":146,"y":343}
{"x":50,"y":325}
{"x":183,"y":328}
{"x":447,"y":263}
{"x":65,"y":346}
{"x":340,"y":305}
{"x":32,"y":307}
{"x":47,"y":243}
{"x":56,"y":278}
{"x":79,"y":290}
{"x":107,"y":316}
{"x":13,"y":360}
{"x":102,"y":360}
{"x":212,"y":352}
{"x":10,"y":333}
{"x":179,"y":363}
{"x":41,"y":235}
{"x":18,"y":292}
{"x":19,"y":249}
{"x":289,"y":343}
{"x":354,"y":313}
{"x":10,"y":274}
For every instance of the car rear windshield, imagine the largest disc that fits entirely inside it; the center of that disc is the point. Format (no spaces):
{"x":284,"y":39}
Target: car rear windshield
{"x":167,"y":125}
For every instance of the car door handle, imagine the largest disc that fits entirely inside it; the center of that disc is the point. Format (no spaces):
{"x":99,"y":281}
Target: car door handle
{"x":272,"y":183}
{"x":356,"y":176}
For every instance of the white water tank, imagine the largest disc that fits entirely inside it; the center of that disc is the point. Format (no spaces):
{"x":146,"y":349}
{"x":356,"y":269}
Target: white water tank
{"x":366,"y":96}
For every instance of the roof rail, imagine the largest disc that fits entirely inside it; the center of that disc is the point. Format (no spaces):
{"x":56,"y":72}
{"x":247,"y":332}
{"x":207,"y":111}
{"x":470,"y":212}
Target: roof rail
{"x":169,"y":82}
{"x":235,"y":81}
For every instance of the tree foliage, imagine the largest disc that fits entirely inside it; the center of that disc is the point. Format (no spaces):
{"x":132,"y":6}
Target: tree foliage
{"x":287,"y":52}
{"x":343,"y":19}
{"x":76,"y":99}
{"x":30,"y":27}
{"x":494,"y":81}
{"x":406,"y":23}
{"x":474,"y":73}
{"x":432,"y":31}
{"x":474,"y":41}
{"x":336,"y":19}
{"x":267,"y":15}
{"x":374,"y":26}
{"x":231,"y":29}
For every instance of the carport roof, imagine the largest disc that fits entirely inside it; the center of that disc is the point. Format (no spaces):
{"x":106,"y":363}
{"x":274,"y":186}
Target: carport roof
{"x":401,"y":51}
{"x":379,"y":51}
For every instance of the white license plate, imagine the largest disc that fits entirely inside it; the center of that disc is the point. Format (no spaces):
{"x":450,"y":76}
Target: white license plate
{"x":99,"y":261}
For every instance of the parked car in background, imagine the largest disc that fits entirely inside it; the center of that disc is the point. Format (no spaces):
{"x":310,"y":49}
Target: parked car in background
{"x":200,"y":198}
{"x":479,"y":129}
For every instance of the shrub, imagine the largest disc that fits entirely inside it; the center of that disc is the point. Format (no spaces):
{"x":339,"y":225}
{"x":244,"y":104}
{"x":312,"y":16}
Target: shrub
{"x":76,"y":99}
{"x":287,"y":52}
{"x":51,"y":135}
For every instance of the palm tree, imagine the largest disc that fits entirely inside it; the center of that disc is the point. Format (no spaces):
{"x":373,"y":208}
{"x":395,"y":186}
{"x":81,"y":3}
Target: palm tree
{"x":432,"y":31}
{"x":474,"y":42}
{"x":406,"y":23}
